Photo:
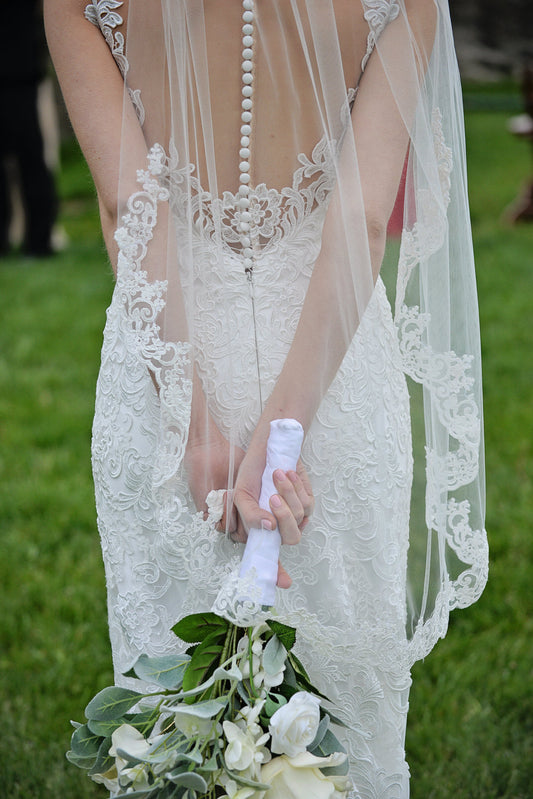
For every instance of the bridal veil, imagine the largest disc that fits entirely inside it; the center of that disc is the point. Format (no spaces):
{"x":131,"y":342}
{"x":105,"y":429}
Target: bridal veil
{"x":265,"y":144}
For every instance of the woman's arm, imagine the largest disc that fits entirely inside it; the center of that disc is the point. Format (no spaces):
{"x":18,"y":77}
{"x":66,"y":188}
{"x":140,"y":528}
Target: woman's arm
{"x":101,"y":114}
{"x":361,"y":202}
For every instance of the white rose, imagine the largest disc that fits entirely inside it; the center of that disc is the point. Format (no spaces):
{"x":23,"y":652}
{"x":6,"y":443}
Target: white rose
{"x":292,"y":778}
{"x":293,"y":727}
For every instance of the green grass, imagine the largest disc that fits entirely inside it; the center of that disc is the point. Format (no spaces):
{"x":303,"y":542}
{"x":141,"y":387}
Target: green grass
{"x":470,"y":731}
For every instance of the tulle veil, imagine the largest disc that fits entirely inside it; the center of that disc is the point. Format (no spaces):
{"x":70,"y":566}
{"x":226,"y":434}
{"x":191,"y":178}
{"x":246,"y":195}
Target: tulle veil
{"x":345,"y":94}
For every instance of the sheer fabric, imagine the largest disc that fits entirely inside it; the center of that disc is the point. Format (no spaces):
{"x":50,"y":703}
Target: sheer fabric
{"x":230,"y":286}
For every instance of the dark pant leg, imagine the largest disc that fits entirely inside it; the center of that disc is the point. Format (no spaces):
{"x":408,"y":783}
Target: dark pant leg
{"x":23,"y":139}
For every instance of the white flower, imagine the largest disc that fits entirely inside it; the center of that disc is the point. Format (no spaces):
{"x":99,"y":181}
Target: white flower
{"x":192,"y":726}
{"x":294,"y":778}
{"x":131,"y":742}
{"x":136,"y":776}
{"x":236,"y":792}
{"x":243,"y":751}
{"x":294,"y":726}
{"x":108,"y":778}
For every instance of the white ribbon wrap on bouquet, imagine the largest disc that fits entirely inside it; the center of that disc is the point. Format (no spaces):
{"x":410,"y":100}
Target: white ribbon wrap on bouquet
{"x":262,"y":547}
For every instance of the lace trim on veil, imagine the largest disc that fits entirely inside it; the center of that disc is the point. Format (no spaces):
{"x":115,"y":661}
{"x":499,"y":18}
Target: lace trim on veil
{"x":447,"y":377}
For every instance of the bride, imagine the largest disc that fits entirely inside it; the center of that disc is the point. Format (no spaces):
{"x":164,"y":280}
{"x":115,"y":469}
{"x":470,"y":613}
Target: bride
{"x":248,"y":155}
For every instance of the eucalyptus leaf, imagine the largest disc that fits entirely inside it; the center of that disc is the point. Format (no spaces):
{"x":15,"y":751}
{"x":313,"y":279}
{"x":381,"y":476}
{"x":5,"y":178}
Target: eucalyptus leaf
{"x":166,"y":671}
{"x":321,"y":731}
{"x":198,"y":626}
{"x":143,"y":721}
{"x":104,"y":761}
{"x":274,"y":656}
{"x":328,"y":745}
{"x":111,"y":703}
{"x":336,"y":771}
{"x":188,"y":779}
{"x":105,"y":728}
{"x":274,"y":702}
{"x":203,"y":710}
{"x":336,"y":720}
{"x":241,"y":690}
{"x":81,"y":762}
{"x":234,"y":674}
{"x":213,"y":764}
{"x":286,"y":634}
{"x":259,"y":786}
{"x":85,"y":743}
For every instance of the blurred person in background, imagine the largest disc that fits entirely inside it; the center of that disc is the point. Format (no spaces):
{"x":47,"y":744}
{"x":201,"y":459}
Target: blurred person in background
{"x":23,"y":168}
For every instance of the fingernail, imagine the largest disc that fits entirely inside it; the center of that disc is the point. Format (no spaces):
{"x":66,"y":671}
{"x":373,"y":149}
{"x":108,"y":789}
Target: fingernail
{"x":279,"y":474}
{"x":266,"y":524}
{"x":275,"y":501}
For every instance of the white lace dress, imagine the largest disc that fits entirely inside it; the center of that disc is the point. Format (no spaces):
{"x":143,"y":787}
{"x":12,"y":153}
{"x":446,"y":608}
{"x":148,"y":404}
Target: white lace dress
{"x":162,"y":560}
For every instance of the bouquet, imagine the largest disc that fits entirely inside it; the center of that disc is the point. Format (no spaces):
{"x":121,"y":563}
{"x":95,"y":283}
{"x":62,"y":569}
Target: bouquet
{"x":234,"y":717}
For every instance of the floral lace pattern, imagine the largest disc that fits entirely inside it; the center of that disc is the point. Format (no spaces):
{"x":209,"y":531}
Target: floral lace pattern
{"x":162,"y":559}
{"x":160,"y":555}
{"x":104,"y":14}
{"x":378,"y":13}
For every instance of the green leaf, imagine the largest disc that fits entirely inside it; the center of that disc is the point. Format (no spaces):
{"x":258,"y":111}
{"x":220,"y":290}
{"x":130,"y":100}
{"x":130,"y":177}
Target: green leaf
{"x":333,"y":771}
{"x":336,"y":720}
{"x":104,"y":761}
{"x":289,"y":679}
{"x":321,"y":731}
{"x":81,"y":762}
{"x":166,"y":671}
{"x":274,"y":656}
{"x":233,"y":674}
{"x":111,"y":703}
{"x":204,"y":660}
{"x":198,"y":626}
{"x":273,"y":703}
{"x":259,"y":786}
{"x":328,"y":745}
{"x":188,"y":779}
{"x":302,"y":678}
{"x":203,"y":710}
{"x":286,"y":634}
{"x":105,"y":728}
{"x":144,"y":721}
{"x":85,"y":743}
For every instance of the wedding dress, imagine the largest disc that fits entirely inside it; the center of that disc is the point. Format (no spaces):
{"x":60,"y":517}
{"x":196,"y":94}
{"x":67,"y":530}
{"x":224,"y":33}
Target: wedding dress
{"x":227,"y":207}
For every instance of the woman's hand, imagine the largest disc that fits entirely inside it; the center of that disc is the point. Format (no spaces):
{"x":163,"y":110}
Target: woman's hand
{"x":291,"y":506}
{"x":210,"y":466}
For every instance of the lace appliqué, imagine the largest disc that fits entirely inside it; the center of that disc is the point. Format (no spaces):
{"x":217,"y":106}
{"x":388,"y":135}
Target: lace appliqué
{"x":448,"y":379}
{"x":238,"y":601}
{"x":104,"y":14}
{"x":378,"y":14}
{"x":143,"y":301}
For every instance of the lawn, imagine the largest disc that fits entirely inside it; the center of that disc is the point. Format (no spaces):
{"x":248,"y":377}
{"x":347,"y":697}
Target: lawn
{"x":470,"y":731}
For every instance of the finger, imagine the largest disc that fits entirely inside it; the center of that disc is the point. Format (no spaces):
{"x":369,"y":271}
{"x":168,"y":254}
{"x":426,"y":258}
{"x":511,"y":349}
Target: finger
{"x":301,"y":471}
{"x":228,"y":523}
{"x":284,"y":580}
{"x":250,"y":515}
{"x":287,"y":524}
{"x":287,"y":491}
{"x":303,"y":493}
